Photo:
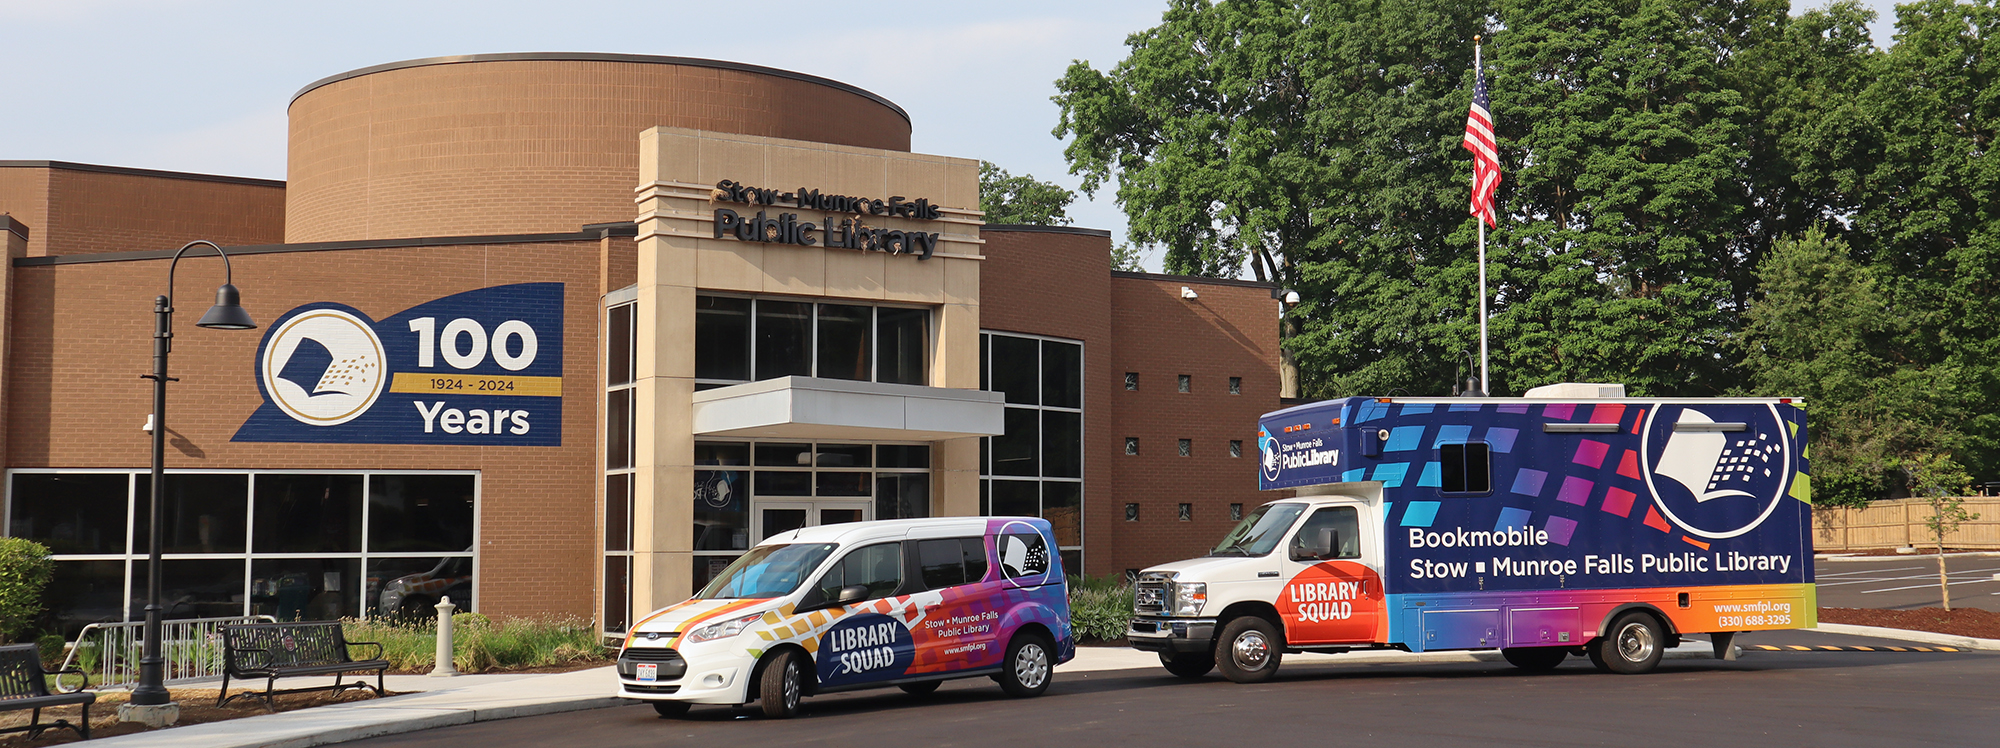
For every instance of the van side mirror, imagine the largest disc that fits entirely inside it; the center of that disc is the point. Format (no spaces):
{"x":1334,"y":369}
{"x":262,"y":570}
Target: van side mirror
{"x":852,"y":593}
{"x":1317,"y":548}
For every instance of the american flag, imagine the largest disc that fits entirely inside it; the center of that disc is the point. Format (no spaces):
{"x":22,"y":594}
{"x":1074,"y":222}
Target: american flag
{"x":1485,"y":160}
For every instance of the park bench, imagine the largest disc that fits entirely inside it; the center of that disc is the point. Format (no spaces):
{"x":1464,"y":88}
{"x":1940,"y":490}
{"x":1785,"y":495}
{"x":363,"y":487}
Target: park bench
{"x":279,"y":650}
{"x":24,"y":685}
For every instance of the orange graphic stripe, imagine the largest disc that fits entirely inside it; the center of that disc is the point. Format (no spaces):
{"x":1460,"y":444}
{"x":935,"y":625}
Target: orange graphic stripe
{"x":697,"y":621}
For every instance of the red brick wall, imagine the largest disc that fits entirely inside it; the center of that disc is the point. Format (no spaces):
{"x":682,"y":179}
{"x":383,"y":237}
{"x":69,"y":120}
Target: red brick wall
{"x":72,"y":211}
{"x":82,"y":335}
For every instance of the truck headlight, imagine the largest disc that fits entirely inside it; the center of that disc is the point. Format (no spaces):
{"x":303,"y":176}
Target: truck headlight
{"x":722,"y":630}
{"x":1189,"y":597}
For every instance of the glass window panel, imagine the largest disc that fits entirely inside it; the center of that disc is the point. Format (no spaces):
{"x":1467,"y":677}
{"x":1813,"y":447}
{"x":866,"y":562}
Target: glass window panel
{"x":1072,"y":561}
{"x":985,"y":455}
{"x":840,"y":516}
{"x":618,"y":429}
{"x":411,"y":587}
{"x":830,"y":483}
{"x":721,"y":510}
{"x":772,"y":483}
{"x":707,"y":568}
{"x":974,"y":550}
{"x":843,"y":455}
{"x":192,"y":588}
{"x":1062,"y":444}
{"x":1062,"y":374}
{"x":985,"y":498}
{"x":1345,"y":525}
{"x":942,"y":563}
{"x":1062,"y":506}
{"x":71,"y":513}
{"x":784,"y":339}
{"x":419,"y":513}
{"x":203,"y":514}
{"x":1017,"y":498}
{"x":985,"y":342}
{"x":84,"y":592}
{"x":782,"y":520}
{"x":617,"y":594}
{"x":904,"y":455}
{"x":1014,"y":453}
{"x":784,"y":455}
{"x":906,"y":496}
{"x":308,"y":514}
{"x":1017,"y":369}
{"x":618,"y":344}
{"x":901,"y":345}
{"x":618,"y":511}
{"x":878,"y":567}
{"x":721,"y":453}
{"x":721,"y":338}
{"x":844,"y":341}
{"x":306,"y":589}
{"x":1235,"y":385}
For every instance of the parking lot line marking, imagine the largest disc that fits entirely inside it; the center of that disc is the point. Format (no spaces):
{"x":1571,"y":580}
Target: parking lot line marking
{"x":1870,"y":571}
{"x":1921,"y":586}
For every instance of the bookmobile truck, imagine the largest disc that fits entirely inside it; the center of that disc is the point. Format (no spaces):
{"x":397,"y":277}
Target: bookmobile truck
{"x":1571,"y":521}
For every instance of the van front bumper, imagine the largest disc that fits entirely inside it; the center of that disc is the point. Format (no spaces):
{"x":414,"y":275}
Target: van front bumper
{"x":1171,"y":635}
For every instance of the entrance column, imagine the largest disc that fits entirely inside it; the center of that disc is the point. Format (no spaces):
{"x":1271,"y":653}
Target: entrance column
{"x":663,"y":444}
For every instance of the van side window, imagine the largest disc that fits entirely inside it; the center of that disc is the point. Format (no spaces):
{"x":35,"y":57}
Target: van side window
{"x":879,"y":567}
{"x":1023,"y":555}
{"x":1465,"y":468}
{"x":1310,"y":544}
{"x":950,"y":562}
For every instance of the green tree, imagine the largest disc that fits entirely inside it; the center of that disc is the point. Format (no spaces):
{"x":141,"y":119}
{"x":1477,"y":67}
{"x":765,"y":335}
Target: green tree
{"x":25,"y":569}
{"x":1125,"y":257}
{"x":1942,"y":484}
{"x":1010,"y":199}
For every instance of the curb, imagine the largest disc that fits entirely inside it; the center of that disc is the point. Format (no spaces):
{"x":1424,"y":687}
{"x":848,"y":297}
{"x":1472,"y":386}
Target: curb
{"x":1922,"y":637}
{"x":376,"y":723}
{"x":1837,"y":558}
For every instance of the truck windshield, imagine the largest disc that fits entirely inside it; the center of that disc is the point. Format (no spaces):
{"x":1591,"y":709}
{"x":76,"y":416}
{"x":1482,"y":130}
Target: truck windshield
{"x":767,"y":571}
{"x":1260,"y":532}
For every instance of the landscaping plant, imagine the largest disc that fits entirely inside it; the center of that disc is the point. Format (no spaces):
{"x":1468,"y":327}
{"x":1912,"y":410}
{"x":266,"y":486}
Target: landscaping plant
{"x":1100,"y":608}
{"x":25,"y":569}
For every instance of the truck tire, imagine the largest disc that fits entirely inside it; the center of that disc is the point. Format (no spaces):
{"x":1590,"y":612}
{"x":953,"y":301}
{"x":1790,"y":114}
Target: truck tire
{"x":781,"y":685}
{"x":1028,"y":667}
{"x":671,"y":709}
{"x":1189,"y":665}
{"x":1535,"y":659}
{"x":1633,"y":645}
{"x":1249,"y":650}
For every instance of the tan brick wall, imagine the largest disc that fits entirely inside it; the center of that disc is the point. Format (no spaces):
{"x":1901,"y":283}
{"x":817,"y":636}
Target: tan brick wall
{"x":24,"y":194}
{"x":1900,"y":522}
{"x":13,"y":243}
{"x":528,"y":146}
{"x":85,"y":212}
{"x":83,"y":335}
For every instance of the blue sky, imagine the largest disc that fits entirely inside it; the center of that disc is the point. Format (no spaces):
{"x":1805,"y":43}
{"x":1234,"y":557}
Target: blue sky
{"x":202,"y":85}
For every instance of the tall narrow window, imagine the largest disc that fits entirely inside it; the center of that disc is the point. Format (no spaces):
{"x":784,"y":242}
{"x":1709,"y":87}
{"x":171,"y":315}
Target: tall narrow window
{"x":784,"y":339}
{"x":1036,"y":467}
{"x":844,"y":349}
{"x":722,"y":344}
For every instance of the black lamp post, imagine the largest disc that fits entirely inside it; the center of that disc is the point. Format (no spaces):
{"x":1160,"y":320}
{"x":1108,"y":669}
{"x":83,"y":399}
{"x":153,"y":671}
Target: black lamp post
{"x":227,"y":314}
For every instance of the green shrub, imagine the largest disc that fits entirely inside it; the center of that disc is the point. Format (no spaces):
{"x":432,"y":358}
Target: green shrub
{"x":480,"y":644}
{"x":25,"y":569}
{"x":51,"y":648}
{"x":1099,"y":609}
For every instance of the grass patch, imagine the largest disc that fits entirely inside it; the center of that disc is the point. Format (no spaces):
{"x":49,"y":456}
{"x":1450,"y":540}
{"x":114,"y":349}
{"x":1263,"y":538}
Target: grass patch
{"x":1100,"y":608}
{"x":481,"y":644}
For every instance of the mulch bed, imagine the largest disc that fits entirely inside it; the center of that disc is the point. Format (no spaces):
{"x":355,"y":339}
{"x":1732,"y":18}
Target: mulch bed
{"x":1973,"y":622}
{"x":197,"y":707}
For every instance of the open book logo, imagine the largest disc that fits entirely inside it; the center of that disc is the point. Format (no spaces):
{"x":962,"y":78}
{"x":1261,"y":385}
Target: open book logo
{"x":323,"y":367}
{"x":1715,"y":464}
{"x":1717,"y":478}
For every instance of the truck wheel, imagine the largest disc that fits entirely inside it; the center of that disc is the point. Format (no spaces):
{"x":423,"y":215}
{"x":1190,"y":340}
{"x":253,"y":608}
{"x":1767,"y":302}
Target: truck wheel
{"x":1535,"y":659}
{"x":781,"y":686}
{"x":671,"y":709}
{"x":1190,"y":665}
{"x":1249,"y":650}
{"x":1634,"y":645}
{"x":1027,"y":668}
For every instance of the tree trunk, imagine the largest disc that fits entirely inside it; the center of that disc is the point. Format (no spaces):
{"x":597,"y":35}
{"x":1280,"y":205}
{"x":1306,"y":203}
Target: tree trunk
{"x":1944,"y":583}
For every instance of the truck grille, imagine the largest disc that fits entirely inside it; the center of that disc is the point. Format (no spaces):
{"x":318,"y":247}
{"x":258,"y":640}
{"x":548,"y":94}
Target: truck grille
{"x":672,"y":666}
{"x":1149,"y":597}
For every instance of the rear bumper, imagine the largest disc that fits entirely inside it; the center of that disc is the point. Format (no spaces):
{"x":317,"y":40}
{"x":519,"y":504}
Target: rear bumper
{"x":1171,"y":635}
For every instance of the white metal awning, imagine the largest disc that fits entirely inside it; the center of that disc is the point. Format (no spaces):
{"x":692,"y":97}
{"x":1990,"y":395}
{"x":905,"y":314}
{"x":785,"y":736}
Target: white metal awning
{"x":814,"y":408}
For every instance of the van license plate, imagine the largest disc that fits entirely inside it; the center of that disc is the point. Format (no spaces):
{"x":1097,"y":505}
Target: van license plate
{"x":649,"y":672}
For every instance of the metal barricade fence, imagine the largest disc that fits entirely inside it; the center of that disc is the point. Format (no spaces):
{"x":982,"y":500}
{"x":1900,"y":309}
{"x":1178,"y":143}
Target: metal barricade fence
{"x":190,"y":650}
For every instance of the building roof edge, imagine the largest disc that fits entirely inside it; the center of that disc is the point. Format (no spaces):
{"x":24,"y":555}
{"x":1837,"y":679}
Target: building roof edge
{"x":1192,"y":279}
{"x":137,"y":172}
{"x":1037,"y":228}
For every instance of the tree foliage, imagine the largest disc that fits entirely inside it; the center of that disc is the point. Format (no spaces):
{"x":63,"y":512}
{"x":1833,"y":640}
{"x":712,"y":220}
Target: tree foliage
{"x":1659,"y":157}
{"x":1006,"y":198}
{"x":25,"y":569}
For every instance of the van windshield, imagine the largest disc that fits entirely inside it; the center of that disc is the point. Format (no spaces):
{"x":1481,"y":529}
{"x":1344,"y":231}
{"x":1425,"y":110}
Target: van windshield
{"x":767,"y":571}
{"x":1260,"y":532}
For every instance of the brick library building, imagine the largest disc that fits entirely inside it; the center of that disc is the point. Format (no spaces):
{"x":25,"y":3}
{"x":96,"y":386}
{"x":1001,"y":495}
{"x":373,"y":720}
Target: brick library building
{"x":564,"y":334}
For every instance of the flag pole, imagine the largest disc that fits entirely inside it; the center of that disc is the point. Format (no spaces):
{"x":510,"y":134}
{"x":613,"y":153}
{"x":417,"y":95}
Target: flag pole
{"x":1484,"y":387}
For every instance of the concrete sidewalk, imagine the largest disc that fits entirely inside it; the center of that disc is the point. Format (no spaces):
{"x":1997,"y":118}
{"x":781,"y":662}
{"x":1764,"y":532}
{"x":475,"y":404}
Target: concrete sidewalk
{"x":480,"y":698}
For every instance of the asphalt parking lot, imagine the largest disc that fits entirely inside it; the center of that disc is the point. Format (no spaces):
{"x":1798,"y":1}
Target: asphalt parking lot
{"x":1906,"y":582}
{"x":1817,"y":698}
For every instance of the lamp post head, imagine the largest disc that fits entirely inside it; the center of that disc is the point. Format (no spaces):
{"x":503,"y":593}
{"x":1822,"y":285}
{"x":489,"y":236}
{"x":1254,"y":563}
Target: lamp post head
{"x":228,"y":312}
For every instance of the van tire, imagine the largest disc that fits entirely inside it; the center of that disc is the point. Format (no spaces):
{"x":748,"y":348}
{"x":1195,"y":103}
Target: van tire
{"x":1634,"y":644}
{"x":1189,"y":665}
{"x":1535,"y":659}
{"x":1029,"y":666}
{"x":921,"y":688}
{"x":1249,"y":650}
{"x":781,"y":686}
{"x":671,"y":709}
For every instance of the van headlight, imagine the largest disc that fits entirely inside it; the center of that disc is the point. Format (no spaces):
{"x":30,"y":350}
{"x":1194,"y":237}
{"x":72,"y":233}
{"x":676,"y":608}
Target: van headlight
{"x":1189,"y":597}
{"x":722,"y":630}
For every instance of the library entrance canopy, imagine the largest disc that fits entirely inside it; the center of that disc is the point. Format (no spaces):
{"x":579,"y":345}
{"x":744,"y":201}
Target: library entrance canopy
{"x":815,"y":408}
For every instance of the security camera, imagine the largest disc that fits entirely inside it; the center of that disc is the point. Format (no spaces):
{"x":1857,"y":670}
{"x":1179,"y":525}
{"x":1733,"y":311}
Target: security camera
{"x":1188,"y":293}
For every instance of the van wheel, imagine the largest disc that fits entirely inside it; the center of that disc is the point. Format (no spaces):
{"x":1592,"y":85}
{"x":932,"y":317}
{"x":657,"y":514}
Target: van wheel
{"x":1535,"y":659}
{"x":1249,"y":650}
{"x":1028,"y":667}
{"x":921,"y":688}
{"x":1634,"y":645}
{"x":781,"y":686}
{"x":671,"y":709}
{"x":1190,"y":665}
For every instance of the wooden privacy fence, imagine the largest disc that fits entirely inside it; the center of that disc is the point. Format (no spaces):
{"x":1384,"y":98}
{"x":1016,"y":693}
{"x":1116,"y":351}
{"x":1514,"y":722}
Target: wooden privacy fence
{"x":1896,"y":523}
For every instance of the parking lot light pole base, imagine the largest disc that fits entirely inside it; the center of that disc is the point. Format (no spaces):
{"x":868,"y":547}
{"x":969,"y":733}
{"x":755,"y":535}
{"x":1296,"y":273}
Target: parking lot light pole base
{"x":150,"y":715}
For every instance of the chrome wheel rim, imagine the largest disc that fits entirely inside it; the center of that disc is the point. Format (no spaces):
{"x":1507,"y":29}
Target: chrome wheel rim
{"x":1031,"y":666}
{"x":1635,"y":642}
{"x":1251,"y":650}
{"x":791,"y":685}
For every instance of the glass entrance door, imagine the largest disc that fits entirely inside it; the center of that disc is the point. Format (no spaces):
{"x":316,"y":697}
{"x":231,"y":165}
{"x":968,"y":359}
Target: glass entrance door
{"x":774,"y":517}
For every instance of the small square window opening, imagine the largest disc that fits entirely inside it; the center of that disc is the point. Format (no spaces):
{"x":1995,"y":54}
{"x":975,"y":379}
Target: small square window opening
{"x":1131,"y":512}
{"x":1131,"y":445}
{"x":1186,"y":512}
{"x":1236,"y":512}
{"x":1236,"y":448}
{"x":1235,"y":385}
{"x":1186,"y":382}
{"x":1132,"y":380}
{"x":1187,"y":447}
